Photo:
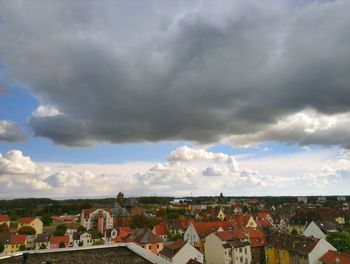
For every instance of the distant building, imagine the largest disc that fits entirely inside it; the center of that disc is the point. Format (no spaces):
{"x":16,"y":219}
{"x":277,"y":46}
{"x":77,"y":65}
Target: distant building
{"x":180,"y":252}
{"x":302,"y":199}
{"x":341,"y":199}
{"x":333,"y":257}
{"x":17,"y":243}
{"x":55,"y":241}
{"x":42,"y":241}
{"x":320,"y":229}
{"x":5,"y":219}
{"x":33,"y":222}
{"x":96,"y":219}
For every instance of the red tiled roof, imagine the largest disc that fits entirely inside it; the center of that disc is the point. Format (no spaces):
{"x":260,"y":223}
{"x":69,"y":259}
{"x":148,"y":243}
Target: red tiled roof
{"x":18,"y":239}
{"x":160,"y":230}
{"x":62,"y":218}
{"x":241,"y":220}
{"x":26,"y":220}
{"x":206,"y":228}
{"x":4,"y":218}
{"x":331,"y":256}
{"x":59,"y":239}
{"x":123,"y":233}
{"x":171,"y":250}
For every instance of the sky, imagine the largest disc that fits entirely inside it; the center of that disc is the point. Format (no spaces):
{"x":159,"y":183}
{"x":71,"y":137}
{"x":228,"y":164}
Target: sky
{"x":177,"y":98}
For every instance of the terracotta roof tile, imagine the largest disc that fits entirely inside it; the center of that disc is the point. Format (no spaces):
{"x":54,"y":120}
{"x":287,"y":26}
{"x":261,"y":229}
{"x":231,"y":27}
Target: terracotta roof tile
{"x":4,"y":218}
{"x":59,"y":239}
{"x":26,"y":220}
{"x":18,"y":239}
{"x":331,"y":257}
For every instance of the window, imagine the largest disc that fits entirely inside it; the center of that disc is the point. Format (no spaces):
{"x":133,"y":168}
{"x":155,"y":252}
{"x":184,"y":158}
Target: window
{"x":157,"y":245}
{"x":241,"y":259}
{"x":245,"y":251}
{"x":149,"y":247}
{"x":240,"y":250}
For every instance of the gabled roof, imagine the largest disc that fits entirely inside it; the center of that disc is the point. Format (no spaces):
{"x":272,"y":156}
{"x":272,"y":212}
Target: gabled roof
{"x":4,"y":218}
{"x":147,"y":237}
{"x":26,"y":220}
{"x":172,"y":249}
{"x":327,"y":226}
{"x":44,"y":237}
{"x":297,"y":244}
{"x":18,"y":239}
{"x":59,"y":239}
{"x":331,"y":257}
{"x":206,"y":228}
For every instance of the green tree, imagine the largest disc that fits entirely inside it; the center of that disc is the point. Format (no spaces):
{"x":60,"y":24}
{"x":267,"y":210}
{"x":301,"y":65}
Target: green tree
{"x":43,"y":246}
{"x":61,"y":245}
{"x":2,"y":247}
{"x":22,"y":247}
{"x":97,"y":242}
{"x":81,"y":229}
{"x":27,"y":230}
{"x":46,"y":219}
{"x":60,"y":230}
{"x":4,"y":228}
{"x":340,"y":240}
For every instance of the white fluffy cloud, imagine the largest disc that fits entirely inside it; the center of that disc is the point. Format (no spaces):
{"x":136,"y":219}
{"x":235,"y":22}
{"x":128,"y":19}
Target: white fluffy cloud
{"x":11,"y":132}
{"x":187,"y":171}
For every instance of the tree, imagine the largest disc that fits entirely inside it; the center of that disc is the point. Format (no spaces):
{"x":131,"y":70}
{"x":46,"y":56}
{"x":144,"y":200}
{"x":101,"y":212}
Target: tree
{"x":60,"y":230}
{"x":43,"y":246}
{"x":4,"y":228}
{"x":81,"y":243}
{"x":2,"y":247}
{"x":22,"y":247}
{"x":61,"y":245}
{"x":27,"y":230}
{"x":46,"y":219}
{"x":81,"y":229}
{"x":340,"y":240}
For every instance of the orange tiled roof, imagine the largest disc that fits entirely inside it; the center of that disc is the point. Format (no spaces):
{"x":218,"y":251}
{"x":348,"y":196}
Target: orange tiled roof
{"x":26,"y":220}
{"x":206,"y":228}
{"x":59,"y":239}
{"x":4,"y":218}
{"x":331,"y":256}
{"x":160,"y":230}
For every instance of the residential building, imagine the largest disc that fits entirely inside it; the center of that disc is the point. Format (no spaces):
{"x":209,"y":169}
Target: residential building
{"x":96,"y":219}
{"x":5,"y":219}
{"x":55,"y":241}
{"x":180,"y":251}
{"x":33,"y":222}
{"x":302,"y":199}
{"x":161,"y":230}
{"x":333,"y":257}
{"x":320,"y":229}
{"x":198,"y":231}
{"x":146,"y":239}
{"x":295,"y":249}
{"x":82,"y":239}
{"x":17,"y":243}
{"x":225,"y":248}
{"x":42,"y":241}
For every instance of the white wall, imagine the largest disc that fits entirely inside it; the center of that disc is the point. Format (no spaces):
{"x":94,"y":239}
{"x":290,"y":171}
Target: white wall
{"x":213,"y":250}
{"x":186,"y":253}
{"x":319,"y":250}
{"x":191,"y":235}
{"x":314,"y":230}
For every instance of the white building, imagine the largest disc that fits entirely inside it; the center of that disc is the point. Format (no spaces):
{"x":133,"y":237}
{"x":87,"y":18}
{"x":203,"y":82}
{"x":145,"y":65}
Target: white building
{"x":320,"y":229}
{"x":224,"y":248}
{"x":180,"y":252}
{"x":96,"y":219}
{"x":82,"y":239}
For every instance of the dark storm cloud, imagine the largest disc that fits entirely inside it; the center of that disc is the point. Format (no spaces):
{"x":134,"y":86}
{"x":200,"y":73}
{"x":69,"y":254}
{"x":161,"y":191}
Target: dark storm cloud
{"x":131,"y":71}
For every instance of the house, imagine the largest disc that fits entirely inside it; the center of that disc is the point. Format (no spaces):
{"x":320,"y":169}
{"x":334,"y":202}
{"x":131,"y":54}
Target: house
{"x":321,"y":199}
{"x":180,"y":252}
{"x":178,"y":226}
{"x":5,"y":219}
{"x":341,"y":198}
{"x":96,"y":219}
{"x":17,"y":243}
{"x":283,"y":248}
{"x":124,"y":232}
{"x":33,"y":222}
{"x":221,"y":215}
{"x":110,"y":235}
{"x":244,"y":220}
{"x":224,"y":247}
{"x":161,"y":230}
{"x":302,"y":199}
{"x":320,"y":229}
{"x":198,"y":231}
{"x":42,"y":241}
{"x":146,"y":239}
{"x":333,"y":257}
{"x":56,"y":241}
{"x":5,"y":238}
{"x":82,"y":239}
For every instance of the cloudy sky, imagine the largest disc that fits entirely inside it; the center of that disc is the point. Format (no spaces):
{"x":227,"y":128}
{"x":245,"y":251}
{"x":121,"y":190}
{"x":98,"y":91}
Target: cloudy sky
{"x":189,"y":97}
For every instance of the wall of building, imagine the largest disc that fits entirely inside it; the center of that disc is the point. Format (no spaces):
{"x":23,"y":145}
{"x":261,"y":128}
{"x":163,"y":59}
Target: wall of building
{"x":186,"y":253}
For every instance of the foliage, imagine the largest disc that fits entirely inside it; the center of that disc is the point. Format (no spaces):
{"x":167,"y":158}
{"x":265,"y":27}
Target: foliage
{"x":60,"y":230}
{"x":340,"y":240}
{"x":61,"y":244}
{"x":140,"y":221}
{"x":22,"y":247}
{"x":43,"y":246}
{"x":97,"y":242}
{"x":174,"y":237}
{"x":80,"y":244}
{"x":27,"y":230}
{"x":4,"y":228}
{"x":46,"y":219}
{"x":81,"y":229}
{"x":2,"y":247}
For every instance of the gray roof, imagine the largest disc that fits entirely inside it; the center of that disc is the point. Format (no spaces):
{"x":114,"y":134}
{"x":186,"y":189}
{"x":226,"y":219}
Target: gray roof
{"x":44,"y":237}
{"x":130,"y":202}
{"x":119,"y":211}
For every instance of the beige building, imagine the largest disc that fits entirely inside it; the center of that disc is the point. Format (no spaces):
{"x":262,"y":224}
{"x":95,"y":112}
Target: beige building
{"x":224,"y":248}
{"x":34,"y":222}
